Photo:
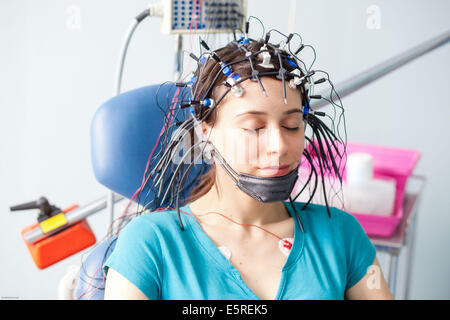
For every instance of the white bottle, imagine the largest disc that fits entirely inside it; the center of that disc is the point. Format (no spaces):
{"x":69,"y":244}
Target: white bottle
{"x":361,"y":193}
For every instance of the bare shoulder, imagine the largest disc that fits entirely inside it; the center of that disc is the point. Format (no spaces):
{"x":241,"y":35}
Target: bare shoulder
{"x":117,"y":287}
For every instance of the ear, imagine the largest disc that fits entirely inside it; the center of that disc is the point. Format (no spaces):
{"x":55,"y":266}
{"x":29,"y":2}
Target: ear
{"x":206,"y":129}
{"x":207,"y":135}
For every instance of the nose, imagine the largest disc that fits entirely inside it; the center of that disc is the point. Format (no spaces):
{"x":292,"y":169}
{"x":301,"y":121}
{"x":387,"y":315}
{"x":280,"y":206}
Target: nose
{"x":275,"y":144}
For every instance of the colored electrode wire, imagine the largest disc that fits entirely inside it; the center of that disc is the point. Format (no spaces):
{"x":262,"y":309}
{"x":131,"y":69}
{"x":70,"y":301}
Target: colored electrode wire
{"x":286,"y":243}
{"x":166,"y":182}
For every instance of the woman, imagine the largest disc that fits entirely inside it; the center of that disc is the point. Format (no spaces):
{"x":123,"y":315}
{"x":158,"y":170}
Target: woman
{"x":240,"y":239}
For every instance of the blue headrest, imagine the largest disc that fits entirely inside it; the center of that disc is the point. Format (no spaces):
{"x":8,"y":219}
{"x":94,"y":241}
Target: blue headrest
{"x":124,"y":131}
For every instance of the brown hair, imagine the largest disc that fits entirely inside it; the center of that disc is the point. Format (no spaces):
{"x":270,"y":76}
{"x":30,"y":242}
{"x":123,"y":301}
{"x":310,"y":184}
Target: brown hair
{"x":206,"y":74}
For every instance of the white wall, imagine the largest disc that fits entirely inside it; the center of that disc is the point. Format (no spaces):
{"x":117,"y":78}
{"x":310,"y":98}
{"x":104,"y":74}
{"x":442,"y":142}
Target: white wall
{"x":55,"y":73}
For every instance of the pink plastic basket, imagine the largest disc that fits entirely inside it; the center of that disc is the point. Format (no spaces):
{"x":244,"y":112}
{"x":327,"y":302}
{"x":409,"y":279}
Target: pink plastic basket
{"x":389,"y":162}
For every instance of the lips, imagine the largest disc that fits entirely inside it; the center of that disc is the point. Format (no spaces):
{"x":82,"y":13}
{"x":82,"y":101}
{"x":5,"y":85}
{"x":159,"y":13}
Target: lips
{"x":275,"y":171}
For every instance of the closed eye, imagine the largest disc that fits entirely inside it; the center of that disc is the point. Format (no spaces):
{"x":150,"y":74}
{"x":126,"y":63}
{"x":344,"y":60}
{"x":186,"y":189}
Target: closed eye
{"x":259,"y":129}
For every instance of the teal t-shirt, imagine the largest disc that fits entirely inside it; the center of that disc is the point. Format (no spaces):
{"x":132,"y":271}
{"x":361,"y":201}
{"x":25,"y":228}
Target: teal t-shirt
{"x":167,"y":263}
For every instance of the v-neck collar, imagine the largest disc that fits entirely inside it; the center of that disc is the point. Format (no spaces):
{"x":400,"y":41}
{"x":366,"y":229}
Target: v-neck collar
{"x":214,"y":253}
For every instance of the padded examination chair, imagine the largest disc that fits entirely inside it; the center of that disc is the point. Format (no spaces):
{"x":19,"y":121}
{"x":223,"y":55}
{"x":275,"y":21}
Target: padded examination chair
{"x":124,"y":131}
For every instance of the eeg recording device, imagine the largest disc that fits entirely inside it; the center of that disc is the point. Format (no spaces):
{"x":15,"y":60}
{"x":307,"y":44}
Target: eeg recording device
{"x":200,"y":16}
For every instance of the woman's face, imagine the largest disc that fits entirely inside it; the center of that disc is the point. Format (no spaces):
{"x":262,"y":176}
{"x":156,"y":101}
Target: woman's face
{"x":259,"y":135}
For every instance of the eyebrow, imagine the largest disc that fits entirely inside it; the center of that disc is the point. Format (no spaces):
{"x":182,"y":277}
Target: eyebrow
{"x":262,"y":112}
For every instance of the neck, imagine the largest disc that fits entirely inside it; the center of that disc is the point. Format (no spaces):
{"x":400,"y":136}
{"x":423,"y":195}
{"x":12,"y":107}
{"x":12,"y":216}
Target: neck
{"x":227,"y":199}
